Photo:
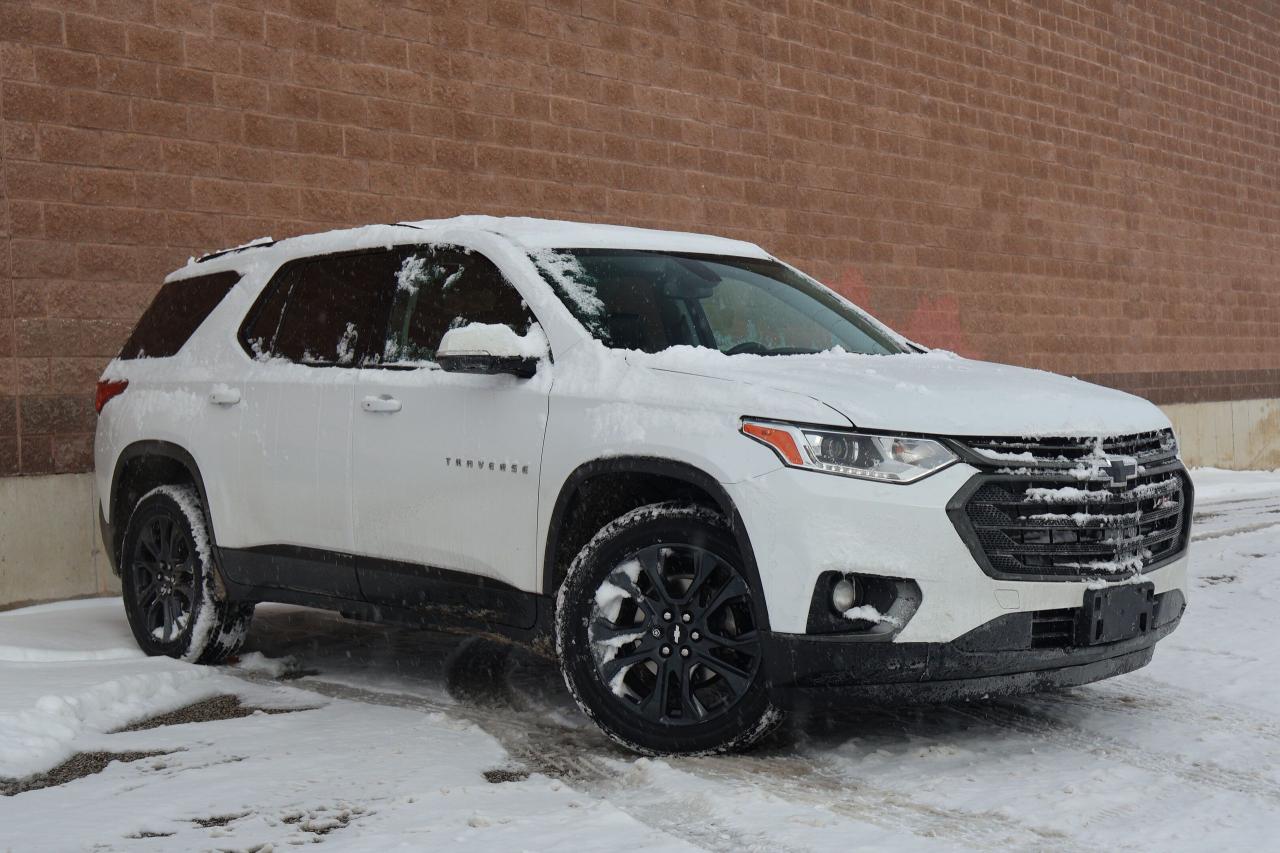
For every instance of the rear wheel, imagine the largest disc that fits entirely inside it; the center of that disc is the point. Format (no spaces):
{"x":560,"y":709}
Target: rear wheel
{"x":172,"y":597}
{"x":657,"y":638}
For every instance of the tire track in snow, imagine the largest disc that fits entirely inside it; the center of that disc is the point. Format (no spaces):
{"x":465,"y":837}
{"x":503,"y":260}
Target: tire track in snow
{"x":1171,"y":703}
{"x":1234,"y":531}
{"x":819,"y":782}
{"x":1003,"y":715}
{"x":559,"y":754}
{"x":584,"y":757}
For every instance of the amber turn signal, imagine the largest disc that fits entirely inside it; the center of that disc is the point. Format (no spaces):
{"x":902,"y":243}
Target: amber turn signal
{"x":780,"y":440}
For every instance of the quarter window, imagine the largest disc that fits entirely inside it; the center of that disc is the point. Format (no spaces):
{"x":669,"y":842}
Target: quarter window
{"x":176,"y":312}
{"x":440,"y":288}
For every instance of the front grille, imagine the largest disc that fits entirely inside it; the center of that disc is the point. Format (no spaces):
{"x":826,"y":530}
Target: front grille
{"x":1049,"y":508}
{"x":1145,"y":447}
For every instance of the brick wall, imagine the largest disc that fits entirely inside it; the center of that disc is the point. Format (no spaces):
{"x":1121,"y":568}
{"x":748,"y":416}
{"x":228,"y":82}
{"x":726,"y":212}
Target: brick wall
{"x":1089,"y":187}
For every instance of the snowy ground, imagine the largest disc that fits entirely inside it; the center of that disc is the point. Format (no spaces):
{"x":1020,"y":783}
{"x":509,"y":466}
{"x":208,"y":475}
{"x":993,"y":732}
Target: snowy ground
{"x":393,"y":732}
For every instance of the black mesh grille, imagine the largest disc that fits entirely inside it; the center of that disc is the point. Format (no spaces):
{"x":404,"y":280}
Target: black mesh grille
{"x":1054,"y":452}
{"x":1056,"y":511}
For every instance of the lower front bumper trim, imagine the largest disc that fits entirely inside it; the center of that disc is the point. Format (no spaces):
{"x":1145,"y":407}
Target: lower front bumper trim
{"x":796,"y":697}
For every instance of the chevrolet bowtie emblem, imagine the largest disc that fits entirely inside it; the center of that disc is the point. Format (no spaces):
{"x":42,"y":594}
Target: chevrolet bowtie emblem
{"x":1121,"y":469}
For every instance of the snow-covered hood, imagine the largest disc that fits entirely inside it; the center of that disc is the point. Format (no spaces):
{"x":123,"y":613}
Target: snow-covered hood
{"x":935,"y":392}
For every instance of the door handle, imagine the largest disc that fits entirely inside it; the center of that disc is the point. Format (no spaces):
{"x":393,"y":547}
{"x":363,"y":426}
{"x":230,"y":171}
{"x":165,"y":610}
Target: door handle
{"x":382,"y":404}
{"x":221,"y":395}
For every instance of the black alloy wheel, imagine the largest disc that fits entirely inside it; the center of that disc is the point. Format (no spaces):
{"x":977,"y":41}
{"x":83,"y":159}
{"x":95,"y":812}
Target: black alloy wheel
{"x":173,"y":598}
{"x":673,"y":634}
{"x":660,"y":635}
{"x":164,"y":578}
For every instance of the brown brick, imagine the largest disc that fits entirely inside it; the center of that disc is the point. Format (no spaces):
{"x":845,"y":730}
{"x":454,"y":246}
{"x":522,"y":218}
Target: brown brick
{"x":35,"y":454}
{"x":127,"y":77}
{"x":139,"y":11}
{"x":218,"y":195}
{"x":8,"y":416}
{"x":212,"y":54}
{"x":72,"y":453}
{"x":186,"y":85}
{"x":365,"y":144}
{"x":96,"y":35}
{"x":215,"y":125}
{"x":240,"y":93}
{"x":188,"y":15}
{"x":97,"y":261}
{"x":97,"y":110}
{"x":56,"y":414}
{"x":153,"y":44}
{"x":103,"y":186}
{"x":21,"y":21}
{"x":160,"y":118}
{"x":28,"y":102}
{"x":65,"y":68}
{"x":18,"y":62}
{"x":295,"y":101}
{"x":42,"y":259}
{"x":238,"y":24}
{"x":37,"y":181}
{"x":9,"y":464}
{"x":26,"y":218}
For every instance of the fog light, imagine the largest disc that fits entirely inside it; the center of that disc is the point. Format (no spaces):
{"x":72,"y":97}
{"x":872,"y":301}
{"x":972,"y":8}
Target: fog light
{"x":844,"y":594}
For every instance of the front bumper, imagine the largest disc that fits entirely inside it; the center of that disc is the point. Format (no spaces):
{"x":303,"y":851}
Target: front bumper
{"x":801,"y":524}
{"x":807,"y":671}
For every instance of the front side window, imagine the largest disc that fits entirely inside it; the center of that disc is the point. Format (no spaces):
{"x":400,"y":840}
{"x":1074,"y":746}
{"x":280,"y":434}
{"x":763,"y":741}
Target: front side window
{"x":436,"y":289}
{"x":323,"y":312}
{"x":650,"y":301}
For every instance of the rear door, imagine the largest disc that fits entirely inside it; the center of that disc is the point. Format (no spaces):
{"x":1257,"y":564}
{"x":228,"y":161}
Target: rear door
{"x":315,"y":322}
{"x":446,"y":464}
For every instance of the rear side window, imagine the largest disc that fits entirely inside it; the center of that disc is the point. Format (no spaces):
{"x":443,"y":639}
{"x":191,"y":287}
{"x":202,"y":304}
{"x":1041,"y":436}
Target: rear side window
{"x":175,"y":314}
{"x":324,"y":312}
{"x":437,"y":289}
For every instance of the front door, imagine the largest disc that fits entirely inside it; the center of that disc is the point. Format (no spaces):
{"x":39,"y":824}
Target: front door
{"x":446,"y":464}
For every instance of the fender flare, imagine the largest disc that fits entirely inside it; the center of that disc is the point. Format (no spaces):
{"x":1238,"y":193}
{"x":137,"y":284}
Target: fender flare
{"x":154,"y":448}
{"x":658,"y":466}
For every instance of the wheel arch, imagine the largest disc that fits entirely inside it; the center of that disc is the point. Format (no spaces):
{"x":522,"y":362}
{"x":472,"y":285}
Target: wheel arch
{"x":140,"y":467}
{"x":627,"y":482}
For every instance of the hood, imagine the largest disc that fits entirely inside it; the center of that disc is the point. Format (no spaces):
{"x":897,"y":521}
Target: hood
{"x":935,"y":392}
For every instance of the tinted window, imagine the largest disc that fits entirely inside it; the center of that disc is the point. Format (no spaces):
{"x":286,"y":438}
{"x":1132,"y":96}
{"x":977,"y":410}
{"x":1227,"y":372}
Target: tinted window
{"x":323,"y":311}
{"x":438,"y":289}
{"x":176,"y":312}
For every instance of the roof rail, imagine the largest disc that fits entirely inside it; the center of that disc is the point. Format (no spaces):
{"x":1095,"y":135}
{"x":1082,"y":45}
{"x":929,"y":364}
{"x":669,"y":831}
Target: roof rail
{"x":256,"y":244}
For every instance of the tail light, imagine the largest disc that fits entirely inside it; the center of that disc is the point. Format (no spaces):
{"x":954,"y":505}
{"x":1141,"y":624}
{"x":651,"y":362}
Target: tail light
{"x":108,"y":388}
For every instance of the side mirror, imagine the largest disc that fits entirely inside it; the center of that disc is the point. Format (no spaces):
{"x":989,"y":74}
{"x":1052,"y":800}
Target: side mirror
{"x":492,"y":348}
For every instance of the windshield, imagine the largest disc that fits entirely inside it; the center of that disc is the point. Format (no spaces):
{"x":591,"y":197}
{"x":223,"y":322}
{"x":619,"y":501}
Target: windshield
{"x":649,"y":301}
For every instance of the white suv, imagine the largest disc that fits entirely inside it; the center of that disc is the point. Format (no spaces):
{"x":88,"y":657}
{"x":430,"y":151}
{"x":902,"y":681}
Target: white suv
{"x":715,"y":487}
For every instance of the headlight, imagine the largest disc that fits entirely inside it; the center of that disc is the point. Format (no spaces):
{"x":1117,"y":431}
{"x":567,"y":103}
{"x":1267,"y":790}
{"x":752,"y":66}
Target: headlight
{"x":889,"y":458}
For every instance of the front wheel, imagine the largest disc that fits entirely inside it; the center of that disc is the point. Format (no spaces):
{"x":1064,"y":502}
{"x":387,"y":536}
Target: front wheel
{"x":172,"y":598}
{"x":656,"y":631}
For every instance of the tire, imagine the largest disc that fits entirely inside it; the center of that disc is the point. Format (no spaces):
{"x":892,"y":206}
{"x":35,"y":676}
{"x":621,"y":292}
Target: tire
{"x":173,"y":597}
{"x":657,"y":597}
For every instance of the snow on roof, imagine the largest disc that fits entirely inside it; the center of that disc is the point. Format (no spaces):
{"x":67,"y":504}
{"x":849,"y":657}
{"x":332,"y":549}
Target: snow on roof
{"x":525,"y":231}
{"x":562,"y":234}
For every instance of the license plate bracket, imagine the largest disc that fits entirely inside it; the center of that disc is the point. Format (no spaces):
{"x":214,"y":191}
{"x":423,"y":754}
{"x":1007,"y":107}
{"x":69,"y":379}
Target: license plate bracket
{"x":1116,"y":613}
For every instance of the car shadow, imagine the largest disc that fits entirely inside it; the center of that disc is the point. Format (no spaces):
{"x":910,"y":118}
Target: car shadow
{"x":498,"y":677}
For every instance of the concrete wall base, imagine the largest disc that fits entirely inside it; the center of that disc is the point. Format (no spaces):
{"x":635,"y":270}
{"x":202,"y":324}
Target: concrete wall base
{"x":50,"y":547}
{"x":1241,"y":434}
